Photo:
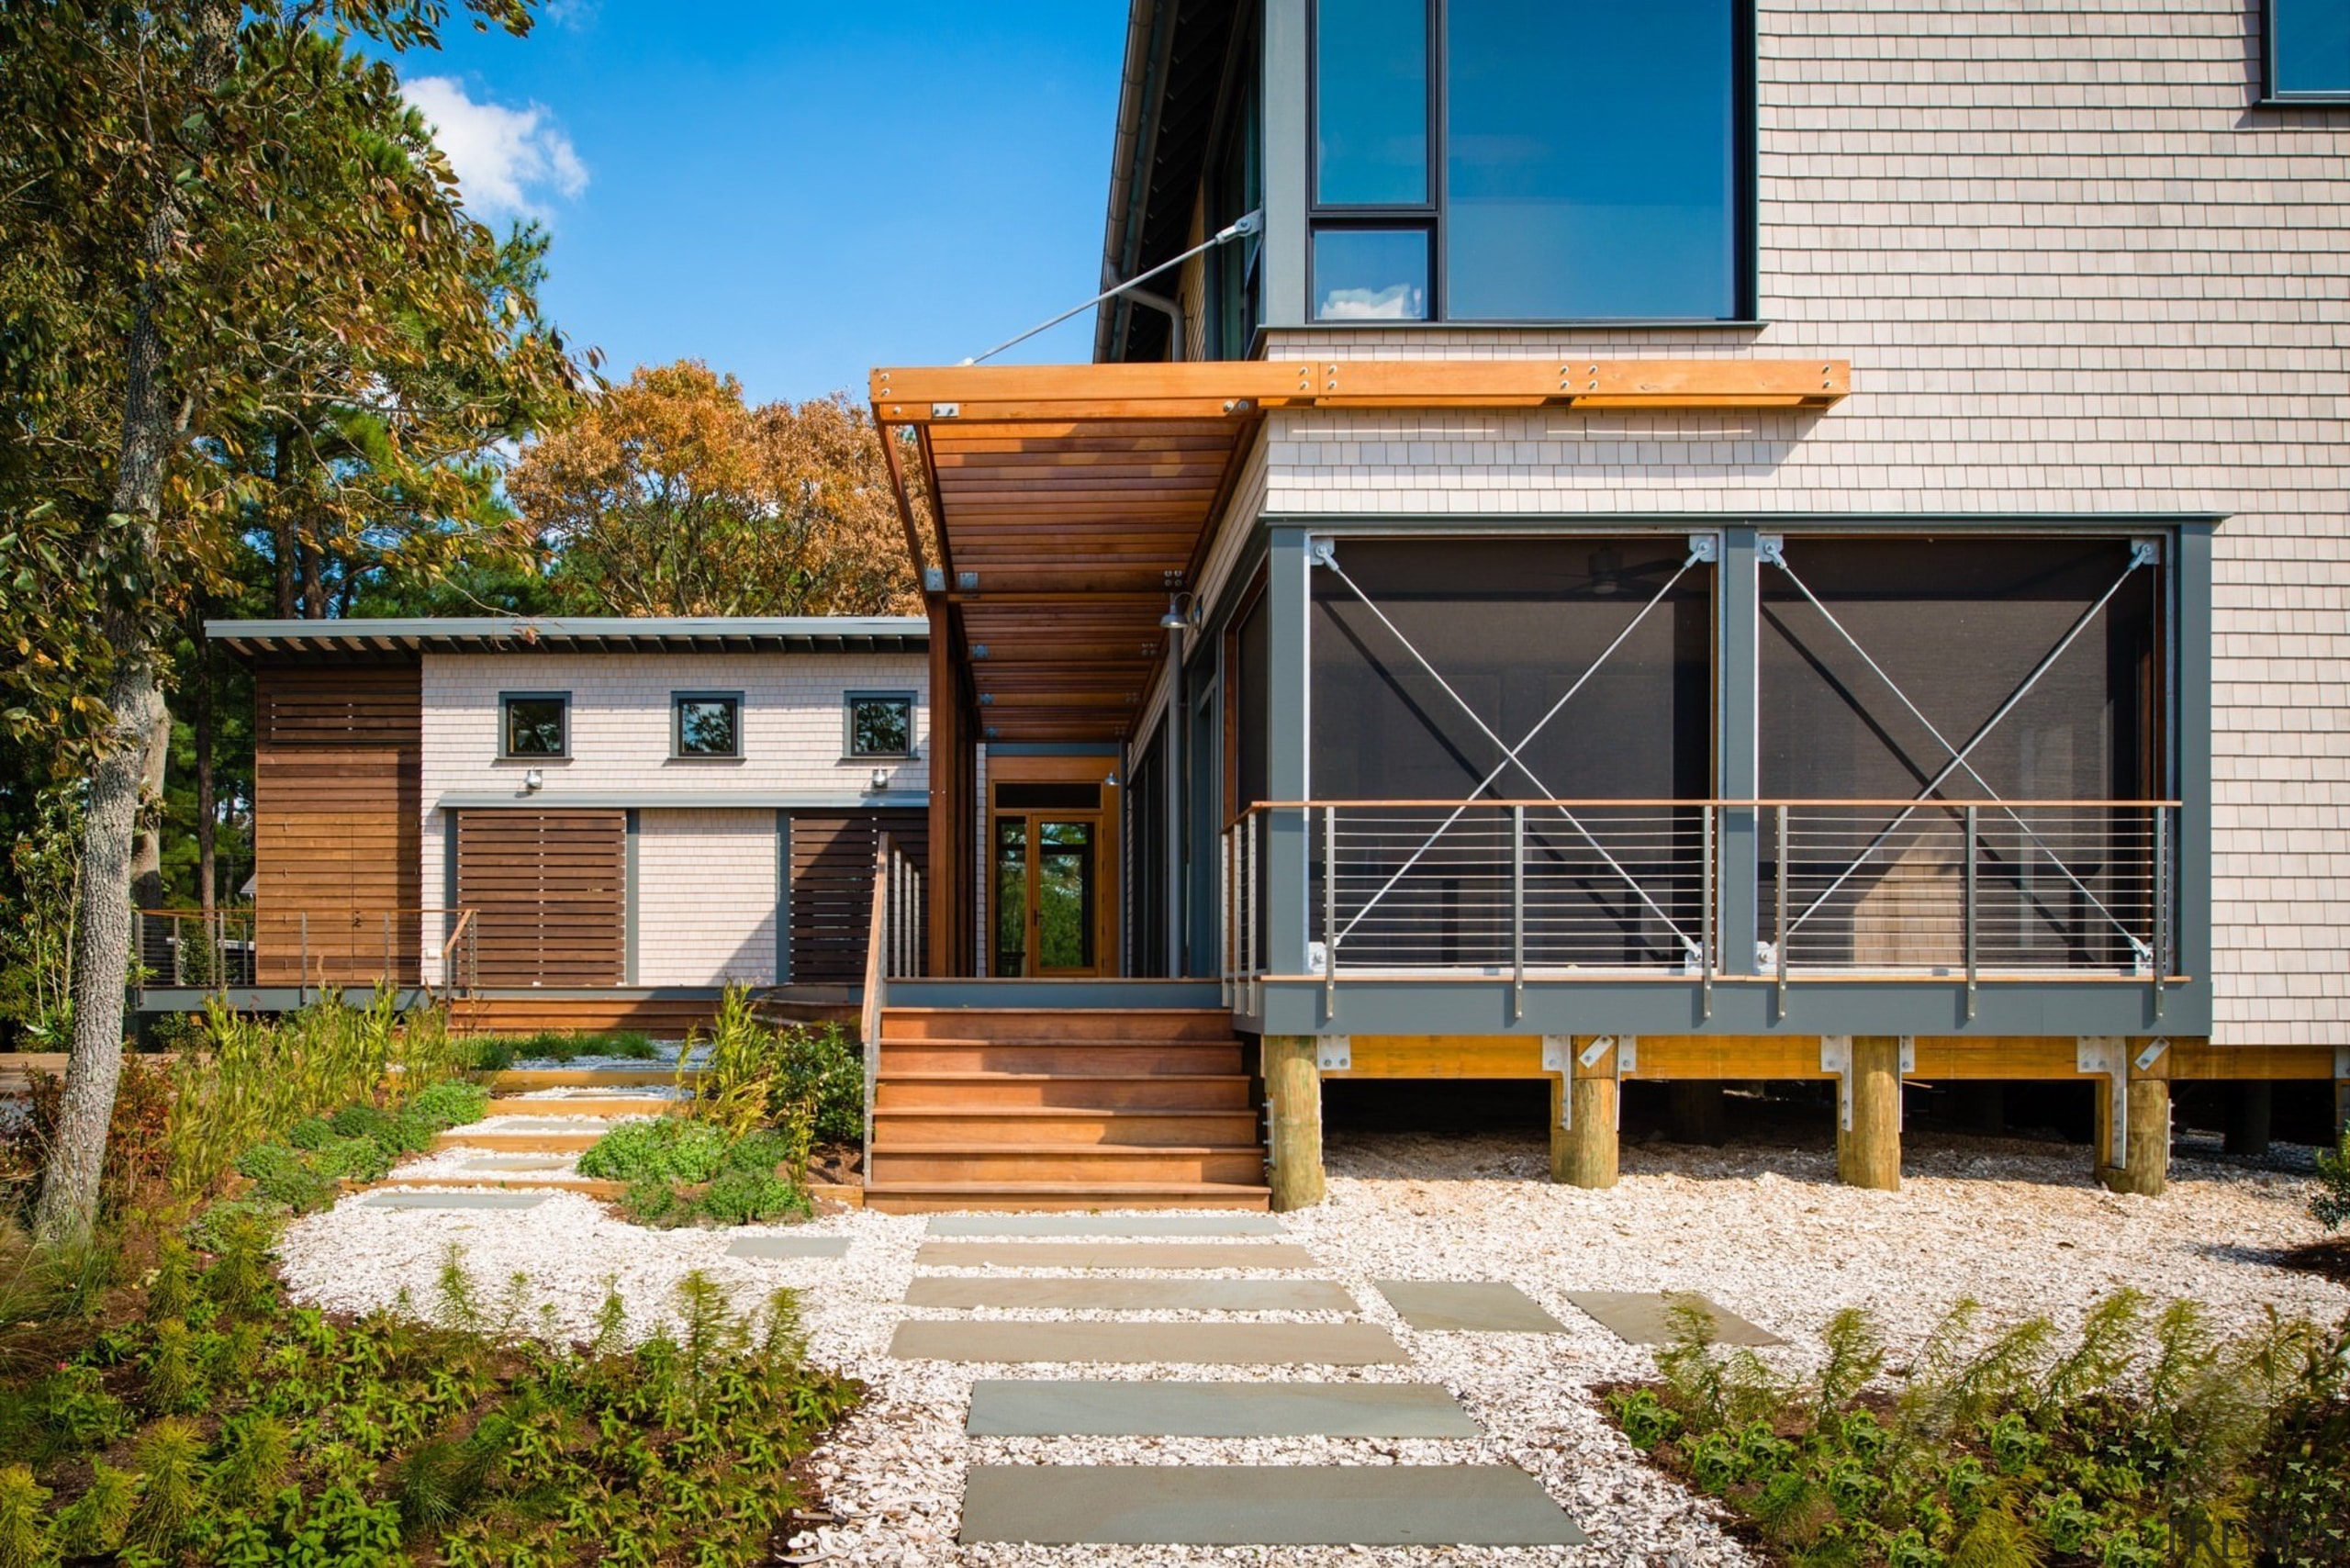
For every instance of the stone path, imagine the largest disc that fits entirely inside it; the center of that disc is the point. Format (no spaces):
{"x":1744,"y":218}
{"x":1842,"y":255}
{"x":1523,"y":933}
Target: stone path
{"x":1070,"y":1502}
{"x":1642,"y":1318}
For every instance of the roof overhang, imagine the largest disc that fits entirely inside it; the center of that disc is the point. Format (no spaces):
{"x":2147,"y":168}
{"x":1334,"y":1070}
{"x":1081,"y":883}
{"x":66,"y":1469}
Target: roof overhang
{"x":361,"y":638}
{"x":1068,"y":502}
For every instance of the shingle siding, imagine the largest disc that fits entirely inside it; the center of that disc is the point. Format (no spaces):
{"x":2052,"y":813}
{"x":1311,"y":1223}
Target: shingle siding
{"x":706,"y":883}
{"x":2076,"y":270}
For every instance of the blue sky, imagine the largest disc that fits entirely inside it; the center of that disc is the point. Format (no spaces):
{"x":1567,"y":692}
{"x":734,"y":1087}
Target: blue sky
{"x":794,"y":191}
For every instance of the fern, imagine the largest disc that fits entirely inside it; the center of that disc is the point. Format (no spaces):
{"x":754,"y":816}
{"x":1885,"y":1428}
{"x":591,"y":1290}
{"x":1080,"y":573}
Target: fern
{"x":1998,"y":1540}
{"x":24,"y":1538}
{"x":1855,"y":1356}
{"x":2106,"y":1349}
{"x":170,"y":1484}
{"x":93,"y":1523}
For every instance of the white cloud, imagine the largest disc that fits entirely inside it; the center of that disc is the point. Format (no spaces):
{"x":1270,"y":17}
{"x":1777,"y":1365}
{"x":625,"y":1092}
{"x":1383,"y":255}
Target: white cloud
{"x":505,"y":160}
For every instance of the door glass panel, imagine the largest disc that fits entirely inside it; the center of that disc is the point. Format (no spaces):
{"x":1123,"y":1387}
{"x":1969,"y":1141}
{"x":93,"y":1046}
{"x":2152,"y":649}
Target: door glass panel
{"x":1011,"y":896}
{"x":1064,"y":896}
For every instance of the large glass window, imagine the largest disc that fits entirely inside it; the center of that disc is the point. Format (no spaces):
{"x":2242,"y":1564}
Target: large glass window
{"x":2309,"y":50}
{"x":1588,"y":161}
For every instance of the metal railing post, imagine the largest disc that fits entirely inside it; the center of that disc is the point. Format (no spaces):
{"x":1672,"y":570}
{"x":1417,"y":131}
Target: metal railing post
{"x":1518,"y":913}
{"x":302,"y":991}
{"x":1251,"y":914}
{"x":2161,"y":965}
{"x":1779,"y":920}
{"x":1968,"y":916}
{"x":1330,"y":912}
{"x":1706,"y":914}
{"x":1224,"y":916}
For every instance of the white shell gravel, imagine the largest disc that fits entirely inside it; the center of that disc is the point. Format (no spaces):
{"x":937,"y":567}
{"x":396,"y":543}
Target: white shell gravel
{"x":1765,"y":1231}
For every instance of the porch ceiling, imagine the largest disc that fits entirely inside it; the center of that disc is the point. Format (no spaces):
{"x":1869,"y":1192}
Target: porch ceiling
{"x":1068,"y":502}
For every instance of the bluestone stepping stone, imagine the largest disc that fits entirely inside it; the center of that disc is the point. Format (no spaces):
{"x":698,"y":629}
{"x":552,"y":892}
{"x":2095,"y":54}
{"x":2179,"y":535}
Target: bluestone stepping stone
{"x":392,"y":1200}
{"x":790,"y":1247}
{"x":1113,"y":1255}
{"x":1033,"y":1408}
{"x":1270,"y":1504}
{"x":1105,"y":1225}
{"x":1189,"y":1344}
{"x":1131,"y":1295}
{"x":1484,"y":1306}
{"x":1645,"y":1317}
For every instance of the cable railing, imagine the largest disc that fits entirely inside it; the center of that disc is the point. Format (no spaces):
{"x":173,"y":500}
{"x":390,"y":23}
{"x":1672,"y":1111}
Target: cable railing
{"x":1566,"y":890}
{"x":307,"y":949}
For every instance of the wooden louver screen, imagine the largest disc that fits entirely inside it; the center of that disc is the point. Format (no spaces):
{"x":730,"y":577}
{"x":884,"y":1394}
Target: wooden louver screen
{"x":549,"y":892}
{"x":832,"y":888}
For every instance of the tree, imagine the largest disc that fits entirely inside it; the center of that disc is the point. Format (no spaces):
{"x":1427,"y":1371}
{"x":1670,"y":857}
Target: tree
{"x":669,"y":496}
{"x":192,"y":196}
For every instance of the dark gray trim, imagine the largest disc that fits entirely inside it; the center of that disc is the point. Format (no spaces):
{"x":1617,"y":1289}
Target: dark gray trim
{"x":1053,"y":748}
{"x":506,"y":735}
{"x":677,"y":700}
{"x":850,"y":699}
{"x":782,"y":898}
{"x":1679,"y":522}
{"x":1483,"y":1006}
{"x":577,"y":634}
{"x":629,"y":900}
{"x":687,"y":799}
{"x":1046,"y":994}
{"x":2190,"y":570}
{"x":1289,"y":163}
{"x":1288,"y":592}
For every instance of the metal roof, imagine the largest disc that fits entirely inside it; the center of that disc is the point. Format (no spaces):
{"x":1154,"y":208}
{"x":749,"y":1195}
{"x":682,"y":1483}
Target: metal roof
{"x":377,"y":638}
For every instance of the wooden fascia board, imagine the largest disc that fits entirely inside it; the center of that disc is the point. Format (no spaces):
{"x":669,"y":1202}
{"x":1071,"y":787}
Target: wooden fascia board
{"x":1229,"y":389}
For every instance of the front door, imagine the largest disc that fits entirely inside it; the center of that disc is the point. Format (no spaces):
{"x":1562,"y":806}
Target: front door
{"x":1048,"y":894}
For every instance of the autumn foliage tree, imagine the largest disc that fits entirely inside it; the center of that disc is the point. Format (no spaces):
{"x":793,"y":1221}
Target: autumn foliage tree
{"x":671,"y":496}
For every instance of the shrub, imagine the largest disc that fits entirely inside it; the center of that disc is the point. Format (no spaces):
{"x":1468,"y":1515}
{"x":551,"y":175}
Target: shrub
{"x":2330,"y":1205}
{"x":755,"y":1073}
{"x":282,"y":1175}
{"x":136,"y":1136}
{"x":450,"y":1103}
{"x":667,"y":1149}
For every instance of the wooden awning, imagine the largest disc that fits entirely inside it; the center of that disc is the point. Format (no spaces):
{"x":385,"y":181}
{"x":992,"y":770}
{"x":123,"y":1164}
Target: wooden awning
{"x":1068,"y":501}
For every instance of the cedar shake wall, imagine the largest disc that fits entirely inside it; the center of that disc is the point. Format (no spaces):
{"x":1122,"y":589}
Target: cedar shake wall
{"x":2075,"y":271}
{"x":336,"y":809}
{"x":706,"y":887}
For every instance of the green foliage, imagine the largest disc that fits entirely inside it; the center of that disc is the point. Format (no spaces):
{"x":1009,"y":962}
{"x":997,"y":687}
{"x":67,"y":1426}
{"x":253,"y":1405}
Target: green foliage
{"x":2137,"y":1440}
{"x":658,"y":1150}
{"x":36,"y":913}
{"x":757,"y":1073}
{"x":688,"y":1173}
{"x":451,"y":1104}
{"x":390,"y":1440}
{"x":282,"y":1175}
{"x":2330,"y":1205}
{"x":496,"y":1053}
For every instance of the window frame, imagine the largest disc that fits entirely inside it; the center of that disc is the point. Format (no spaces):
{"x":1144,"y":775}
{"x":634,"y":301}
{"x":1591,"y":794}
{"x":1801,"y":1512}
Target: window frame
{"x":2274,"y":96}
{"x":677,"y":700}
{"x":849,"y":700}
{"x":506,"y":729}
{"x":1429,"y":216}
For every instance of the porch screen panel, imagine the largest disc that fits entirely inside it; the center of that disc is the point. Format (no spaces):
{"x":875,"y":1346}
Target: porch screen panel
{"x":1960,"y":625}
{"x":1146,"y":824}
{"x":548,"y":890}
{"x":830,"y":897}
{"x":1510,"y":625}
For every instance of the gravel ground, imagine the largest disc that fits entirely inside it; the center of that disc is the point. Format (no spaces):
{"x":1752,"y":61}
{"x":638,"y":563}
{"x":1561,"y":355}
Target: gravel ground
{"x":1764,"y":1231}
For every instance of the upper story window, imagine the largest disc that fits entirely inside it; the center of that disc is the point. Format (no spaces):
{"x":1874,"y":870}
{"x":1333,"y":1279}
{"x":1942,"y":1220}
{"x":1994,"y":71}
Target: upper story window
{"x":2307,"y":50}
{"x":1530,"y":160}
{"x":706,"y":723}
{"x":534,"y":723}
{"x":880,"y":723}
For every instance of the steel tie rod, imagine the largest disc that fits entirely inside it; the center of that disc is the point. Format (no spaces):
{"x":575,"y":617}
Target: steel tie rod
{"x":1959,"y":755}
{"x":1509,"y":753}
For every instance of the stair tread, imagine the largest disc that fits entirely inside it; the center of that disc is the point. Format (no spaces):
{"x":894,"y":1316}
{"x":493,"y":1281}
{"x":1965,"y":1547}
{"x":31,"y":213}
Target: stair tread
{"x":1072,"y":1042}
{"x":1063,"y":1150}
{"x":950,"y":1076}
{"x":1069,"y":1189}
{"x":1045,"y":1112}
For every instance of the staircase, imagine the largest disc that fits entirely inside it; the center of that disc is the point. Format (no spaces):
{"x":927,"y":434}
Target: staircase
{"x":1062,"y":1108}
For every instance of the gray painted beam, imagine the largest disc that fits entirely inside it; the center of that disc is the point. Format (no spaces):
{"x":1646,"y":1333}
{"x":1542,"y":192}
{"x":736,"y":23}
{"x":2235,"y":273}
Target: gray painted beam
{"x":1281,"y":1505}
{"x":1036,"y":1409}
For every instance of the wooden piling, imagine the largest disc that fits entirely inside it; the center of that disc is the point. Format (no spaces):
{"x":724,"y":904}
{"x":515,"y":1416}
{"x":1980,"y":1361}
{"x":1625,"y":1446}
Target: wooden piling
{"x":1582,"y":1153}
{"x":2144,"y":1166}
{"x":2250,"y":1106}
{"x":1293,"y":1090}
{"x":1868,"y":1152}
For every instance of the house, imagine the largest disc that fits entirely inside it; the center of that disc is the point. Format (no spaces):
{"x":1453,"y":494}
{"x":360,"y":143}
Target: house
{"x":1716,"y":539}
{"x":578,"y":821}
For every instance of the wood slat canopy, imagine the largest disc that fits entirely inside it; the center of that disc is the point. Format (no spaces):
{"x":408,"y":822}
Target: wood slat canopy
{"x":1070,"y":500}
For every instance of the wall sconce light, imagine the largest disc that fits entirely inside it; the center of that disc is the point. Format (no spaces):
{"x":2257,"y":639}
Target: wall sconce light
{"x":881,"y":779}
{"x":533,"y":781}
{"x":1182,"y":613}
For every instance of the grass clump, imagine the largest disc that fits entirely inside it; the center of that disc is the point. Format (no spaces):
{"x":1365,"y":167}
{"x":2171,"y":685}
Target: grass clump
{"x":2142,"y":1439}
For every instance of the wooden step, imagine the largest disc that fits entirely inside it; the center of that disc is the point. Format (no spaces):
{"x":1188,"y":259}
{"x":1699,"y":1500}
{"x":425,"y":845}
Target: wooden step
{"x":600,"y":1106}
{"x":997,"y":1164}
{"x":523,"y":1143}
{"x":520,"y":1182}
{"x":1057,"y":1059}
{"x":1182,"y":1090}
{"x":586,"y":1077}
{"x":1056,"y":1024}
{"x":1060,"y":1126}
{"x":907,"y":1197}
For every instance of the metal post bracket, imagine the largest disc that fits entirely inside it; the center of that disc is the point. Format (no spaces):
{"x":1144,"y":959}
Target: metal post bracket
{"x":1836,"y":1060}
{"x":2154,"y":1052}
{"x":1706,"y":547}
{"x":1322,"y":552}
{"x":2108,"y":1057}
{"x":1335,"y":1053}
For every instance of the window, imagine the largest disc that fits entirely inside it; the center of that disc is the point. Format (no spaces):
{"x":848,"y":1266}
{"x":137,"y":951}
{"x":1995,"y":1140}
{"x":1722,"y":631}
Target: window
{"x":1527,"y":160}
{"x":534,"y":723}
{"x":2307,"y":50}
{"x":880,"y":723}
{"x":706,"y":723}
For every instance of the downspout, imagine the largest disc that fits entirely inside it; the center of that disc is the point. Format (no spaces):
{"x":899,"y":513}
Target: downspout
{"x":1149,"y":28}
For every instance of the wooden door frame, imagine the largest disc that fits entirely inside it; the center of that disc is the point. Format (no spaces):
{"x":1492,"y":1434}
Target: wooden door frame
{"x":1109,"y":857}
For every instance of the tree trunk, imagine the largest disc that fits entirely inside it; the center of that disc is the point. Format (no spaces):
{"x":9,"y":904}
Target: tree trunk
{"x":314,"y":585}
{"x":283,"y":545}
{"x":146,"y":842}
{"x":68,"y":1209}
{"x":207,"y":837}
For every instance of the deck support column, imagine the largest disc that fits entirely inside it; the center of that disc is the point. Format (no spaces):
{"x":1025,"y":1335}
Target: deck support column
{"x":1293,"y":1097}
{"x":1585,"y":1103}
{"x":1699,"y":1115}
{"x":1868,"y":1130}
{"x":2250,"y":1106}
{"x":2143,"y":1167}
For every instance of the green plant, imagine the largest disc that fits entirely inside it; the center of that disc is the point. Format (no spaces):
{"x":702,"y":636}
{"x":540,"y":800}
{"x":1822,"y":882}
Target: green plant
{"x":284,"y":1175}
{"x":2330,"y":1203}
{"x":93,"y":1523}
{"x":25,"y":1540}
{"x":37,"y":932}
{"x":755,"y":1073}
{"x":663,"y":1149}
{"x":170,"y":1460}
{"x":450,"y":1103}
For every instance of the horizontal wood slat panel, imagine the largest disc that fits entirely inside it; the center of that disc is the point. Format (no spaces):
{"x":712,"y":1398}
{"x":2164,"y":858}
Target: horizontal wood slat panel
{"x":831,"y":887}
{"x":550,"y":892}
{"x":338,"y":836}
